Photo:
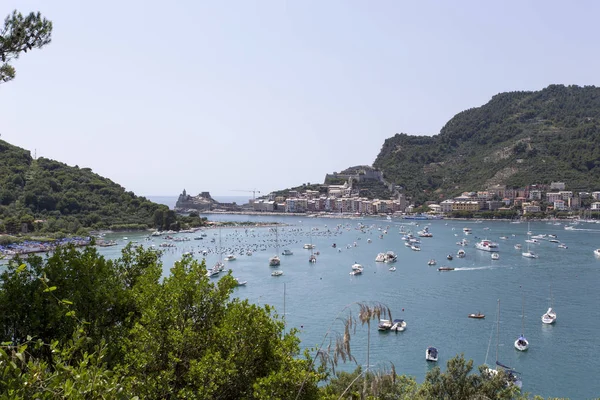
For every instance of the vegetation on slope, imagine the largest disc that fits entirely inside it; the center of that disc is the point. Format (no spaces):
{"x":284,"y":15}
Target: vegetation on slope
{"x":516,"y":139}
{"x":66,"y":199}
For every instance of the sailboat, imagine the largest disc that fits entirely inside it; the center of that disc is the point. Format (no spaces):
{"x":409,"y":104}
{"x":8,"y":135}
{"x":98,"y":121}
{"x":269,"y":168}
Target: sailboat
{"x":550,"y":316}
{"x":522,"y":344}
{"x":512,"y":376}
{"x":312,"y":258}
{"x":529,"y":253}
{"x":219,"y":266}
{"x":275,"y":261}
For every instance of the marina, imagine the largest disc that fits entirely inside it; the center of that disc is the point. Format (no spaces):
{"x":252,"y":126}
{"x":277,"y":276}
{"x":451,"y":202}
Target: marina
{"x":436,"y":304}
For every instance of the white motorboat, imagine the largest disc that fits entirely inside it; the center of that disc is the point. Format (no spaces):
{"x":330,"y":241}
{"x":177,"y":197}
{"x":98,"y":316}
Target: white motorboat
{"x":356,"y":272}
{"x":229,"y":257}
{"x":277,"y":273}
{"x":461,"y":253}
{"x":597,"y":252}
{"x":380,"y":257}
{"x":463,"y":242}
{"x":518,"y":246}
{"x":392,"y":269}
{"x":356,"y":266}
{"x":399,"y":325}
{"x":239,"y":282}
{"x":390,"y":257}
{"x":312,"y":258}
{"x":309,"y":246}
{"x":384,"y":324}
{"x":486,"y":245}
{"x":431,"y":354}
{"x":431,"y":262}
{"x":495,"y":256}
{"x":274,"y":261}
{"x":287,"y":252}
{"x":563,"y":246}
{"x":415,"y":247}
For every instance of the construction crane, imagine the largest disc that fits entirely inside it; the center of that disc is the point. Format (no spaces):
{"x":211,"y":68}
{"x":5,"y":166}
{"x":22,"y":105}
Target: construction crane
{"x":249,"y":191}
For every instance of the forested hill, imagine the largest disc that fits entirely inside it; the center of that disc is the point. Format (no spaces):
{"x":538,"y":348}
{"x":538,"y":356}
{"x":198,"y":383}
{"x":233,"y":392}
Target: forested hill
{"x":64,"y":198}
{"x":516,"y":139}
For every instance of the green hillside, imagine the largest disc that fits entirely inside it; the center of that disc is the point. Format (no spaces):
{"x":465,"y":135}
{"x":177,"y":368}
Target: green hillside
{"x":44,"y":196}
{"x":516,"y":139}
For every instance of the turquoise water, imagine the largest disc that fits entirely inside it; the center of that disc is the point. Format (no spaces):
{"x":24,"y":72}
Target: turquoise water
{"x":561,"y":360}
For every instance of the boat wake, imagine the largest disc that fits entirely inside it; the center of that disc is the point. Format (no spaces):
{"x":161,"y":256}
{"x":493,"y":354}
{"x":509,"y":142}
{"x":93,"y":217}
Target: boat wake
{"x":475,"y":268}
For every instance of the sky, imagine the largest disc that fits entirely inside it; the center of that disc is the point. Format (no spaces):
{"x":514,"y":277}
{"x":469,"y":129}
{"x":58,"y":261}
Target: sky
{"x":234,"y":96}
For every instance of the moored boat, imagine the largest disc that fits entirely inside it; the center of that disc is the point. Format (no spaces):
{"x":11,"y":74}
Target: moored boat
{"x":445,"y":269}
{"x":431,"y":354}
{"x":495,"y":256}
{"x":277,"y":273}
{"x":477,"y":315}
{"x":384,"y":324}
{"x":431,"y":262}
{"x":399,"y":325}
{"x":486,"y":245}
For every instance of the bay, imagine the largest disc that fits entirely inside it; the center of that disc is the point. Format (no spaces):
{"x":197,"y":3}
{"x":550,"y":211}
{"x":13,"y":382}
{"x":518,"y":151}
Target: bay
{"x":561,"y":359}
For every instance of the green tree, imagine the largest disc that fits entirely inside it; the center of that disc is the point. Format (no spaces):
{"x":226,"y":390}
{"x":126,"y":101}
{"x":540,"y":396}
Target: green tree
{"x":19,"y":35}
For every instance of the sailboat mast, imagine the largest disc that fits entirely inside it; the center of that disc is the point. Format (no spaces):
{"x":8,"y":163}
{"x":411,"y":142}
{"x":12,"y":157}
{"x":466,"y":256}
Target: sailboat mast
{"x":523,"y":317}
{"x":284,"y":309}
{"x":498,"y":331}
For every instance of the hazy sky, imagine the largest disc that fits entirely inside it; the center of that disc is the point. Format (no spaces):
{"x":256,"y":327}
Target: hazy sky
{"x":235,"y":95}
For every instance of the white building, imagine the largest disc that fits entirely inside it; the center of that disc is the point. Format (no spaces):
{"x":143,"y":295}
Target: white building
{"x":596,"y":206}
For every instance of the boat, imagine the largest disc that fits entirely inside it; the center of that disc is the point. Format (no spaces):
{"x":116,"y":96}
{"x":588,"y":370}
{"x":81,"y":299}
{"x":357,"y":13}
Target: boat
{"x":461,"y":253}
{"x":463,"y":242}
{"x":238,"y":282}
{"x":477,"y":315}
{"x":399,"y":325}
{"x":390,"y":257}
{"x":287,"y":252}
{"x":495,"y":256}
{"x":356,"y":266}
{"x":277,"y":273}
{"x":512,"y":376}
{"x":550,"y":316}
{"x":445,"y":269}
{"x":274,"y":261}
{"x":392,"y":269}
{"x":486,"y":245}
{"x":597,"y":252}
{"x":415,"y":247}
{"x":229,"y":257}
{"x":380,"y":257}
{"x":309,"y":246}
{"x":431,"y":354}
{"x":431,"y":262}
{"x":522,"y":344}
{"x":384,"y":325}
{"x":356,"y":272}
{"x":518,"y":246}
{"x":449,"y":257}
{"x":312,"y":258}
{"x":564,"y":246}
{"x":529,"y":253}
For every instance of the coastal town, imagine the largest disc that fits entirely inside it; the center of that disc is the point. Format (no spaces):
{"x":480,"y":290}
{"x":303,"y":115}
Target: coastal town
{"x":345,"y":198}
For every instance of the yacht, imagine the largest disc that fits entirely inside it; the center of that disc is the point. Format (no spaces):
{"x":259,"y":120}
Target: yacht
{"x":486,"y":245}
{"x":274,"y":261}
{"x":431,"y":354}
{"x":390,"y":257}
{"x":529,"y":254}
{"x":399,"y":325}
{"x":549,"y":317}
{"x":384,"y":324}
{"x":380,"y":257}
{"x":356,"y":266}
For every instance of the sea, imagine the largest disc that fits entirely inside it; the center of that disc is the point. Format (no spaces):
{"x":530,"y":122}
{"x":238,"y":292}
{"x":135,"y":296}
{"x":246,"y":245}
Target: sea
{"x":316,"y":298}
